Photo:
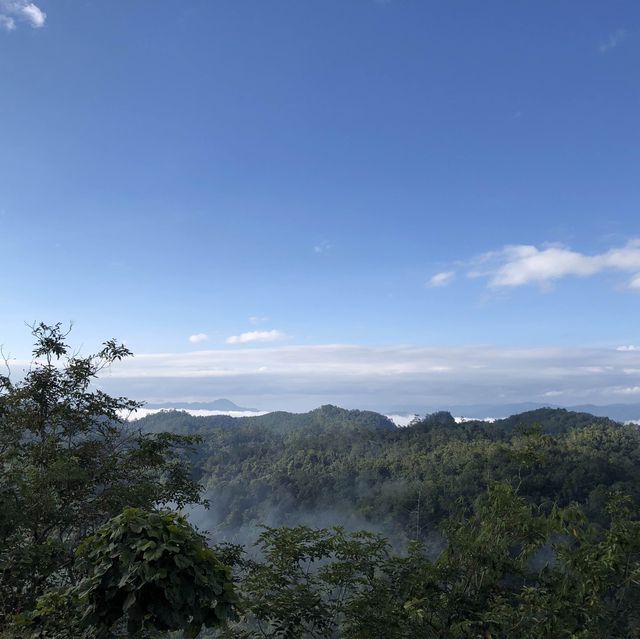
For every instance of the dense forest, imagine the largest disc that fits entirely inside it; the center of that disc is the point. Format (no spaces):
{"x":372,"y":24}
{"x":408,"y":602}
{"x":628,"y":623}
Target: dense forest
{"x":332,"y":524}
{"x":355,"y":468}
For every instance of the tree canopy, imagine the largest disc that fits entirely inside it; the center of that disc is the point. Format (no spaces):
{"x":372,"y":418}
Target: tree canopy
{"x":69,"y":464}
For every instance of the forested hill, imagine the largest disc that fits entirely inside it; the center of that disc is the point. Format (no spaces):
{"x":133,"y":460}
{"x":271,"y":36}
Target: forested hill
{"x":323,"y":417}
{"x":551,"y":420}
{"x":355,"y":468}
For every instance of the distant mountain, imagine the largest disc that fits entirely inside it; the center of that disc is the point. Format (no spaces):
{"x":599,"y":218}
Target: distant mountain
{"x":324,"y":417}
{"x":218,"y":404}
{"x":554,"y":421}
{"x":617,"y":412}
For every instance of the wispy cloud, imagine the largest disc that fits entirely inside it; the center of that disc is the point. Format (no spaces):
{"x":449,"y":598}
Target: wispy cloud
{"x":629,"y":390}
{"x":13,"y":12}
{"x":628,"y":349}
{"x":255,"y":336}
{"x":258,"y":319}
{"x":198,"y":338}
{"x":613,"y":40}
{"x":441,"y":279}
{"x":322,"y":247}
{"x":525,"y":264}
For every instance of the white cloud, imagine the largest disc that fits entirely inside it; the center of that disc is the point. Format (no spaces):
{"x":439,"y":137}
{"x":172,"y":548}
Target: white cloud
{"x":14,"y":11}
{"x":258,"y":319}
{"x":198,"y":338}
{"x":323,"y":247}
{"x":34,"y":15}
{"x":7,"y":23}
{"x":196,"y":412}
{"x":522,"y":264}
{"x":635,"y":282}
{"x":628,"y":349}
{"x":629,"y":390}
{"x":255,"y":336}
{"x":401,"y":420}
{"x":612,"y":41}
{"x":441,"y":279}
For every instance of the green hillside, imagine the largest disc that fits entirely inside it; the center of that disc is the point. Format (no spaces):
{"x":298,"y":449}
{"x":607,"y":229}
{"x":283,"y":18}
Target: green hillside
{"x":354,"y":468}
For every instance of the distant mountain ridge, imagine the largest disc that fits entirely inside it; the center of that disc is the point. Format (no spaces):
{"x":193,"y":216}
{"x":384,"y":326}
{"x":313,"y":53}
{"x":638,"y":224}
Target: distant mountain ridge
{"x":617,"y":412}
{"x":328,"y":415}
{"x":554,"y":420}
{"x":218,"y":404}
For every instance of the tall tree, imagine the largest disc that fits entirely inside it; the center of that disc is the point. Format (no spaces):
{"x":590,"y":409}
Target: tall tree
{"x":69,"y":463}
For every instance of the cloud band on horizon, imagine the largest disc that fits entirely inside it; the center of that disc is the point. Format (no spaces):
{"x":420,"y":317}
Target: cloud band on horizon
{"x":383,"y":378}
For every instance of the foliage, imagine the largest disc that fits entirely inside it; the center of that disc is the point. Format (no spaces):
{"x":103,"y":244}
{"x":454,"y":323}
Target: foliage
{"x":507,"y":570}
{"x":56,"y":615}
{"x":153,"y":570}
{"x":301,"y":586}
{"x":68,"y":464}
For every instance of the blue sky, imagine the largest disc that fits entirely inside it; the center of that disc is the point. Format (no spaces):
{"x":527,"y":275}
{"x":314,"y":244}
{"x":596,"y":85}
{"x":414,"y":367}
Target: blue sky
{"x":276,"y":176}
